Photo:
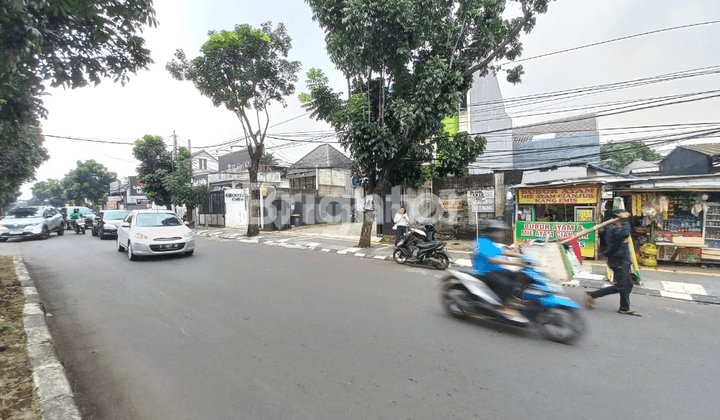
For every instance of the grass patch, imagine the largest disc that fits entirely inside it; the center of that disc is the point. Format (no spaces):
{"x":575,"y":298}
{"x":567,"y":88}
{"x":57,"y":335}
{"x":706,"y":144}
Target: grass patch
{"x":18,"y":396}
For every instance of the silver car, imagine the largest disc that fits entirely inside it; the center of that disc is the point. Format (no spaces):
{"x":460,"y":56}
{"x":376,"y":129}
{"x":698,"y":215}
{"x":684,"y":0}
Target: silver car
{"x":31,"y":222}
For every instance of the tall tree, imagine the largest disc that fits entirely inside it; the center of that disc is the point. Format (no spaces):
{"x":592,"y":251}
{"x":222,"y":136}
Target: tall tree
{"x":155,"y":164}
{"x":408,"y":65}
{"x":179,"y":184}
{"x":89,"y":181}
{"x":63,"y":43}
{"x":617,"y":156}
{"x":67,"y":43}
{"x":21,"y":152}
{"x":246,"y":70}
{"x":50,"y":190}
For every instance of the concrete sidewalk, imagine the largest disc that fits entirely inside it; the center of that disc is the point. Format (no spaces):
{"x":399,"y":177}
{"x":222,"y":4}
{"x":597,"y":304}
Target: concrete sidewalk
{"x":695,"y":284}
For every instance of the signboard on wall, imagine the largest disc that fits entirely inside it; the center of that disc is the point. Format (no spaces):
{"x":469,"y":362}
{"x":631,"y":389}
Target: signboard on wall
{"x":481,"y":201}
{"x":451,"y":204}
{"x":575,"y":195}
{"x":111,"y":204}
{"x":527,"y":231}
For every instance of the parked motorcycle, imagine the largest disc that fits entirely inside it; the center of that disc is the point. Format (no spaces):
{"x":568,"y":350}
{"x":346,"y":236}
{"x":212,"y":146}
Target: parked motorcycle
{"x":543,"y":306}
{"x":428,"y":253}
{"x":425,"y":234}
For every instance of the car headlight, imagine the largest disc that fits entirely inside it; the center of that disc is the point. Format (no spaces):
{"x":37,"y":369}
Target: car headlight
{"x":189,"y":235}
{"x":140,"y":236}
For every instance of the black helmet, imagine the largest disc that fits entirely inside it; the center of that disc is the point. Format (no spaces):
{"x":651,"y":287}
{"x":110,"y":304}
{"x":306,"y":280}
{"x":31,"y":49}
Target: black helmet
{"x":76,"y":209}
{"x":488,"y":227}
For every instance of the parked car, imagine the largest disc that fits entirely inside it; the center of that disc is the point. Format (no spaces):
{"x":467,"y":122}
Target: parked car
{"x":154,"y":232}
{"x":31,"y":222}
{"x":106,"y":223}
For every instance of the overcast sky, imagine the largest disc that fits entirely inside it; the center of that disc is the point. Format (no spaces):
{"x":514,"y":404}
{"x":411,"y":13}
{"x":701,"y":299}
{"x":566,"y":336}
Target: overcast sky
{"x":154,"y":103}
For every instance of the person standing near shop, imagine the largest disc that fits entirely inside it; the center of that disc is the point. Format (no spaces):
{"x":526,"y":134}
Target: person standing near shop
{"x":401,"y":224}
{"x":618,"y":255}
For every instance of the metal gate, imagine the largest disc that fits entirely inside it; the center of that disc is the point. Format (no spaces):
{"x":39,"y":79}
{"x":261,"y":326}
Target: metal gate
{"x":212,"y":212}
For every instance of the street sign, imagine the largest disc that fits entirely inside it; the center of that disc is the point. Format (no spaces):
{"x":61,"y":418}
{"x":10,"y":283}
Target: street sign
{"x":114,"y":198}
{"x":481,"y":201}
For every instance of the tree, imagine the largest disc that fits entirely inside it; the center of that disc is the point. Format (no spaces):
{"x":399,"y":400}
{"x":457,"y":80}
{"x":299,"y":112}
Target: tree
{"x":245,"y":69}
{"x":155,"y":164}
{"x":50,"y":190}
{"x":408,"y":65}
{"x":89,"y":181}
{"x":65,"y":43}
{"x":269,"y":160}
{"x":68,"y":43}
{"x":616,"y":156}
{"x":21,"y":152}
{"x":179,"y":183}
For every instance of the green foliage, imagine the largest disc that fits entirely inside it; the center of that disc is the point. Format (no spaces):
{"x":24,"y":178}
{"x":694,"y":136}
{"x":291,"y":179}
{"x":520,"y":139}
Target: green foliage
{"x":244,"y":70}
{"x":616,"y":156}
{"x":179,"y":183}
{"x":409,"y":63}
{"x":155,"y":164}
{"x":67,"y":43}
{"x":21,"y":152}
{"x":269,"y":160}
{"x":51,"y":190}
{"x":89,"y":181}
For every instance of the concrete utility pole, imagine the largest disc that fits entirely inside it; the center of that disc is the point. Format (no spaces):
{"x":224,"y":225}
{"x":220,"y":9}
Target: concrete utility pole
{"x":174,"y":145}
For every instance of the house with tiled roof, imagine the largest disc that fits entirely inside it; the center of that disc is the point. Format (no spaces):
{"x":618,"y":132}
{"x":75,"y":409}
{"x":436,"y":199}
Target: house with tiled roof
{"x":693,"y":159}
{"x":325,"y":169}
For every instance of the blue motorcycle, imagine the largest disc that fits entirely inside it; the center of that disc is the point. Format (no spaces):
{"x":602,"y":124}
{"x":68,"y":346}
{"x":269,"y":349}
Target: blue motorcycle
{"x":542,"y":303}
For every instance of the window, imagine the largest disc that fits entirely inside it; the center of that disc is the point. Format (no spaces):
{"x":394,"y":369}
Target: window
{"x":304,"y":183}
{"x":202,"y":163}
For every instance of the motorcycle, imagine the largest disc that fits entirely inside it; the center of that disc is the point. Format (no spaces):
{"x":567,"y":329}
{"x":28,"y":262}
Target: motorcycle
{"x":543,"y":307}
{"x":78,"y":225}
{"x":427,"y":234}
{"x":428,"y":253}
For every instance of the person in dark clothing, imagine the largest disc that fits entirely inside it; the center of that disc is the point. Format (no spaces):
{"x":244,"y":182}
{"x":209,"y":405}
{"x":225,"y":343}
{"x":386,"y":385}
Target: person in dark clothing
{"x":618,"y":255}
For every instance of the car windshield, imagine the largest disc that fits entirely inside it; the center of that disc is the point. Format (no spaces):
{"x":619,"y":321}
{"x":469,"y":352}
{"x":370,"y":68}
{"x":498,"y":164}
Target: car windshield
{"x":23,"y":212}
{"x":157,"y":220}
{"x":114,"y":215}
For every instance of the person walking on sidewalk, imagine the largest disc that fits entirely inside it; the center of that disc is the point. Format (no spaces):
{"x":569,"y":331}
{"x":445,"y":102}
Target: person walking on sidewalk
{"x":618,"y":255}
{"x":401,"y":224}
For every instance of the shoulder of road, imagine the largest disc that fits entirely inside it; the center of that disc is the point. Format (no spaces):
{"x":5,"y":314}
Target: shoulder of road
{"x":696,"y":284}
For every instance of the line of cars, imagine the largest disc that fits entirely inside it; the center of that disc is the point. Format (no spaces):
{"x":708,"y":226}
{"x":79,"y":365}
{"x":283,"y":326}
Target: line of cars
{"x":137,"y":232}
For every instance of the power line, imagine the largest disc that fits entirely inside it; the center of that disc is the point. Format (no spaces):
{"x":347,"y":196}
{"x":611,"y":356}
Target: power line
{"x":614,"y":40}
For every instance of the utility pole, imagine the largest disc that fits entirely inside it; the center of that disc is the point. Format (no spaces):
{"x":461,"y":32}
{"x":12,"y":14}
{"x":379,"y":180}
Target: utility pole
{"x":174,"y":145}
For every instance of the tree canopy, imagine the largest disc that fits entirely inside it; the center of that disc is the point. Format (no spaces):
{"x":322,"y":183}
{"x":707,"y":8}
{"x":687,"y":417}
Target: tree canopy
{"x":616,"y":156}
{"x":409,"y":64}
{"x":21,"y":152}
{"x":245,"y":70}
{"x":155,"y":164}
{"x":89,"y":181}
{"x":51,"y":190}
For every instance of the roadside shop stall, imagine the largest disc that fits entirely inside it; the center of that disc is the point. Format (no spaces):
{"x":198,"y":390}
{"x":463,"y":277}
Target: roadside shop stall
{"x":675,"y":219}
{"x":558,"y":213}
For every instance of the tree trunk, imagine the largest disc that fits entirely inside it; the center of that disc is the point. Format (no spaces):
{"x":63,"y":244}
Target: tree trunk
{"x":168,"y":206}
{"x":254,"y":223}
{"x":366,"y":232}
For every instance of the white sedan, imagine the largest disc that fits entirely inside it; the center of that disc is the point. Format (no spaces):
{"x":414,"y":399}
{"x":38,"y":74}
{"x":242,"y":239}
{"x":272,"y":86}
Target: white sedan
{"x":154,"y":232}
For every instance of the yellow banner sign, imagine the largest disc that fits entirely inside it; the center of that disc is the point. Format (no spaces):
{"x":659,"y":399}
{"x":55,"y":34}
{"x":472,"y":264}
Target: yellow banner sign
{"x":577,"y":195}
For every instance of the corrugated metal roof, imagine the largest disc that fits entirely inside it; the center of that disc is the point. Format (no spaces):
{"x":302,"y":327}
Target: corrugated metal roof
{"x":710,"y":149}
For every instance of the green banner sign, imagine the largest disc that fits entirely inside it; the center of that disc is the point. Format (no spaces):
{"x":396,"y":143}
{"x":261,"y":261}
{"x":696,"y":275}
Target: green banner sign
{"x":527,"y":231}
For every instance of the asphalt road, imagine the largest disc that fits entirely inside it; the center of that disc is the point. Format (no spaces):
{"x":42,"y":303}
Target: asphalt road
{"x":258,"y":332}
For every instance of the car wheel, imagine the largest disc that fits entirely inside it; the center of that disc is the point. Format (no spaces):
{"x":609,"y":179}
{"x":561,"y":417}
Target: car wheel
{"x":101,"y":234}
{"x":117,"y":244}
{"x":45,"y":233}
{"x":94,"y":232}
{"x":3,"y":239}
{"x":189,"y":253}
{"x":130,"y":254}
{"x":61,"y":230}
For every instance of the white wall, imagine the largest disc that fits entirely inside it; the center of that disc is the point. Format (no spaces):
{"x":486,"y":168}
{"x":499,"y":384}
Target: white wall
{"x":237,"y":203}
